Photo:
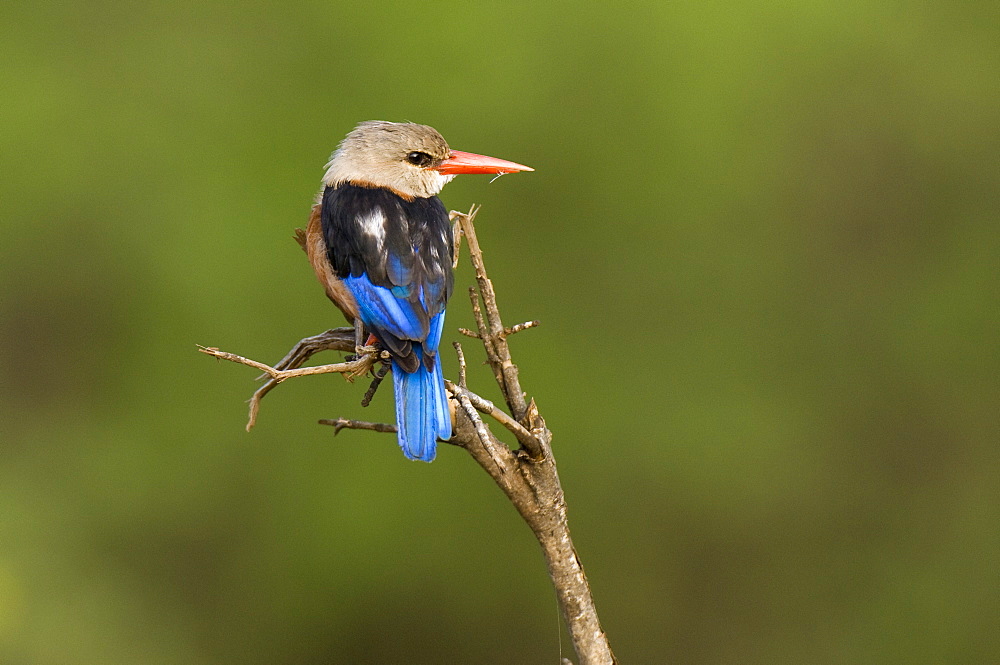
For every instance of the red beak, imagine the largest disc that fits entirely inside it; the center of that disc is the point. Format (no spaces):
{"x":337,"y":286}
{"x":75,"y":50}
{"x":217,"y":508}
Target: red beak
{"x":468,"y":162}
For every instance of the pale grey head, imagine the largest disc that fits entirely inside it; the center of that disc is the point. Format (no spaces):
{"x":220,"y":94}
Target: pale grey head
{"x":401,"y":156}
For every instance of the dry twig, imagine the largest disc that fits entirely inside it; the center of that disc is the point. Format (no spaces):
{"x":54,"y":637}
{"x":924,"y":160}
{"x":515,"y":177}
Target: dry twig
{"x":507,"y":332}
{"x":343,"y":423}
{"x":377,"y":377}
{"x":461,"y":364}
{"x":336,"y":339}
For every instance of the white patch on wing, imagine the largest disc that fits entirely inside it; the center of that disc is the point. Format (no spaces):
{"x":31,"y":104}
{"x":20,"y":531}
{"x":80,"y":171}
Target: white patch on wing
{"x":373,"y":225}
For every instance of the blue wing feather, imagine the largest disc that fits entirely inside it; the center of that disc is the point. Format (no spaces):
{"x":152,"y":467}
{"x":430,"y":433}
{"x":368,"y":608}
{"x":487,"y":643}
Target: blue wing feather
{"x":381,"y":309}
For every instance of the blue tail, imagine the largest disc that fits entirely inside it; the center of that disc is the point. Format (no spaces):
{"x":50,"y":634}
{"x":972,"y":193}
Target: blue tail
{"x":422,"y":414}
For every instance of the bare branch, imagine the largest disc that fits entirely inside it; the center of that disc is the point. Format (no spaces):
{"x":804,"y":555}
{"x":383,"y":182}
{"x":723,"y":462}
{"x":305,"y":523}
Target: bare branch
{"x":513,"y":330}
{"x":487,"y":340}
{"x":339,"y":424}
{"x":492,"y":334}
{"x":343,"y":423}
{"x":379,"y":374}
{"x":506,"y":331}
{"x":456,"y":233}
{"x":524,"y":437}
{"x":351,"y":370}
{"x":337,"y":339}
{"x":461,"y":364}
{"x":486,"y":439}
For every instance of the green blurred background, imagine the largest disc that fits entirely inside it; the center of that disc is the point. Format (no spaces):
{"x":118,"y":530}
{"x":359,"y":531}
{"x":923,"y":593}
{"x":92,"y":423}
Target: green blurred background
{"x":762,"y":242}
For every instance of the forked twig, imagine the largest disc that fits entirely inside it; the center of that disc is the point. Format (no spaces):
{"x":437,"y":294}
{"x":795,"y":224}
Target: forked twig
{"x":486,"y":407}
{"x":336,"y":339}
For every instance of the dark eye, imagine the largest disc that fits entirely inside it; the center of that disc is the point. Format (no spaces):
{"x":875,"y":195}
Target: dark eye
{"x":419,"y":158}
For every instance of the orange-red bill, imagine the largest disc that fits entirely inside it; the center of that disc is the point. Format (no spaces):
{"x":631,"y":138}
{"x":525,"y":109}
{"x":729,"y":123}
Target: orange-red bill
{"x":469,"y":162}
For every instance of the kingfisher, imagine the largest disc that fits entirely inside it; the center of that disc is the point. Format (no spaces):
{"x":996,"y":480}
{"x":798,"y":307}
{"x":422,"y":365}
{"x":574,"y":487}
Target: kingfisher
{"x":380,"y":242}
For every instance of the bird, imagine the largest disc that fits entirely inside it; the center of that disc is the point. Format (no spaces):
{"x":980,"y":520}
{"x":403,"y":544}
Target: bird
{"x":380,"y":242}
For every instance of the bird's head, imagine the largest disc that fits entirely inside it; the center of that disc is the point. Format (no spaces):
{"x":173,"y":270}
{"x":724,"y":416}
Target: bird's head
{"x":412,"y":160}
